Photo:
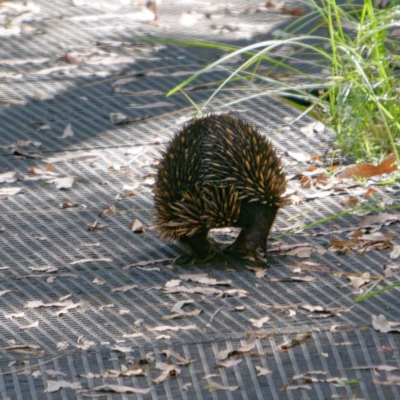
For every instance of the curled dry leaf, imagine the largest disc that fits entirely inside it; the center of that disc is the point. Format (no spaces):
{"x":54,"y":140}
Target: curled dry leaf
{"x":381,"y":324}
{"x":186,"y":386}
{"x":357,"y":282}
{"x":96,"y":227}
{"x":136,"y":226}
{"x":395,"y":253}
{"x":177,"y":307}
{"x":181,"y":314}
{"x":168,"y":370}
{"x":378,"y":219}
{"x":302,"y":252}
{"x":181,"y":360}
{"x":251,"y":342}
{"x":110,"y":210}
{"x":390,"y":269}
{"x":285,"y":346}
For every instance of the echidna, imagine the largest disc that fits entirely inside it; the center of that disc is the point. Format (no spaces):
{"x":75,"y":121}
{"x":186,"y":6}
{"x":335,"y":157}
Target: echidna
{"x":218,"y":171}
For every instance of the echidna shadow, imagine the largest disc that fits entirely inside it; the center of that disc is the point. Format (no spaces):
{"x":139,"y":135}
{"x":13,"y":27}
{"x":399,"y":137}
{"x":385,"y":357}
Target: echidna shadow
{"x":218,"y":171}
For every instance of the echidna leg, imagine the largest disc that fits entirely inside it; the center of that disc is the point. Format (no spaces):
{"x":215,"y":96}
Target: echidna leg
{"x":253,"y":240}
{"x":200,"y":247}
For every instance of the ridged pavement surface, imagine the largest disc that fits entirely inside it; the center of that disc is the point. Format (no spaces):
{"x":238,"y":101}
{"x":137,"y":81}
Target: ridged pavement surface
{"x":77,"y":305}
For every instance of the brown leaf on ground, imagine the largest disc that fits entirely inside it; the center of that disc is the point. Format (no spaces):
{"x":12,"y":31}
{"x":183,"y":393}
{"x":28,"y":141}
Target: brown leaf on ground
{"x":342,"y":243}
{"x":366,"y":170}
{"x":296,"y":11}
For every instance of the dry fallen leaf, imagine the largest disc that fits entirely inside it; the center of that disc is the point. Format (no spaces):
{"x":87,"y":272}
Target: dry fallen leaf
{"x":381,"y":324}
{"x":251,"y":342}
{"x":232,"y":362}
{"x":67,"y":132}
{"x":136,"y":226}
{"x":181,"y":360}
{"x":124,"y":288}
{"x":62,"y":183}
{"x":168,"y":370}
{"x":55,"y":386}
{"x":258,"y":323}
{"x":260,"y":272}
{"x":203,"y":279}
{"x":216,"y":386}
{"x":262,"y":371}
{"x":366,"y":170}
{"x":121,"y":389}
{"x":163,"y":328}
{"x":32,"y":325}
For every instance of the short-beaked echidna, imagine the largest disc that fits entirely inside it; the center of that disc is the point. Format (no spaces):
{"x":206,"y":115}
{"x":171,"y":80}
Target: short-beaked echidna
{"x":218,"y":171}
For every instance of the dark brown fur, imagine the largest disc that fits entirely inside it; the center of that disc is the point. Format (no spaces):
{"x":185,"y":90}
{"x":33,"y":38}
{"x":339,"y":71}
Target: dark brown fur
{"x":218,"y":171}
